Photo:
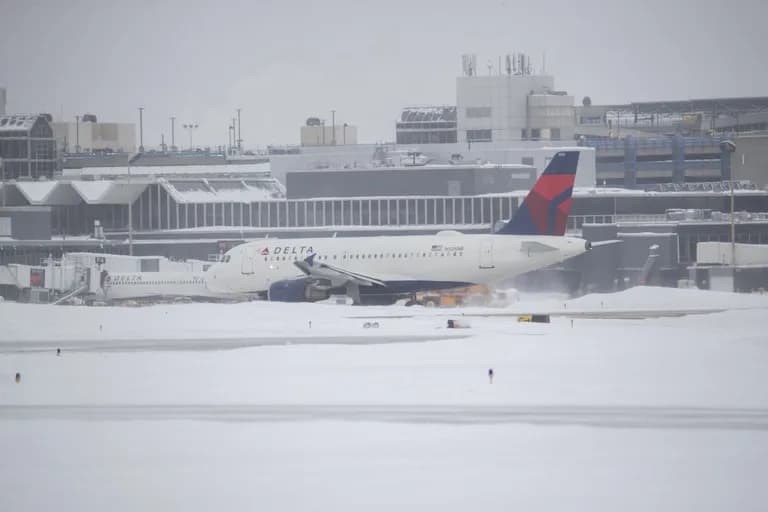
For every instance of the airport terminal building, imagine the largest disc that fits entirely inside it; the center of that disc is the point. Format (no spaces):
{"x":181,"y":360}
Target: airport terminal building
{"x":200,"y":212}
{"x":657,"y":174}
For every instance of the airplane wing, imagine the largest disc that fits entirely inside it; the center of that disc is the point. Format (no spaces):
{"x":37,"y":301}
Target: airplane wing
{"x":337,"y":276}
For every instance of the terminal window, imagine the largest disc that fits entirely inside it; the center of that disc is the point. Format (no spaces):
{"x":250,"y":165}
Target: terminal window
{"x":476,"y":112}
{"x":479,"y":135}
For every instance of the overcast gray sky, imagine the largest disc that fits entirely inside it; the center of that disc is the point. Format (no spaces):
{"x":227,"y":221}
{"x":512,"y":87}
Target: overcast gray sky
{"x":283,"y":61}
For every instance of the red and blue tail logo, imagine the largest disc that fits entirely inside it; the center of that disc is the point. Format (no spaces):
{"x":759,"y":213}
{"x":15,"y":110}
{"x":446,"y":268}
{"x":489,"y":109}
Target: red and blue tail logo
{"x":545,"y":210}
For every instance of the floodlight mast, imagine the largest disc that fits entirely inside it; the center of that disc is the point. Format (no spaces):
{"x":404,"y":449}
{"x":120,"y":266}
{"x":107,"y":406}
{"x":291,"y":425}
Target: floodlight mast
{"x":728,"y":146}
{"x":131,"y":159}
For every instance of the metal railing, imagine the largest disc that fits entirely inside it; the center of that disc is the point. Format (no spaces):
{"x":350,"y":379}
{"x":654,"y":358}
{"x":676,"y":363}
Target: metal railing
{"x":653,"y":142}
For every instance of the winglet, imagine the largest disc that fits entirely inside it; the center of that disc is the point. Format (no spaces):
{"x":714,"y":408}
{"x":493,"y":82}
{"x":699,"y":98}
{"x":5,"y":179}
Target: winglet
{"x":545,"y":209}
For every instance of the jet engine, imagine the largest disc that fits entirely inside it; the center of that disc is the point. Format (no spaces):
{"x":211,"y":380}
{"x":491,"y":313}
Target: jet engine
{"x":295,"y":291}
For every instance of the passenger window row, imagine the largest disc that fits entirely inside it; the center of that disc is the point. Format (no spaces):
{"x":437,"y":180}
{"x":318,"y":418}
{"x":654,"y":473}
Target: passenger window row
{"x":371,"y":256}
{"x":155,"y":282}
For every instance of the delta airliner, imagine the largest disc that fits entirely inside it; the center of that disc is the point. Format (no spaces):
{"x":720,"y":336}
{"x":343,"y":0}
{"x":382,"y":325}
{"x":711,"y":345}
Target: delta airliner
{"x":381,"y":269}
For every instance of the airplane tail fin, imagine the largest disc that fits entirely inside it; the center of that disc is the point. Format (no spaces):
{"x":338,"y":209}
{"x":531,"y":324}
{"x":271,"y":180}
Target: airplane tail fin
{"x":545,"y":209}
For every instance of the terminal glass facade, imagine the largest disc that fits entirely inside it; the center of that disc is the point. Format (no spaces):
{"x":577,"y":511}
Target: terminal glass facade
{"x":156,"y":210}
{"x":27,"y":147}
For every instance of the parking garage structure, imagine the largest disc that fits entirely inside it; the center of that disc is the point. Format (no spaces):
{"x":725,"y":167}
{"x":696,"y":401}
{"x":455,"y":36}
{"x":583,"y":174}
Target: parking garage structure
{"x":27,"y":147}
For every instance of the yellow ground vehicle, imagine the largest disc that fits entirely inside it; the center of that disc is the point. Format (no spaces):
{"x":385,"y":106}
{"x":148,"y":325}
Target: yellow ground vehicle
{"x":476,"y":295}
{"x":539,"y":319}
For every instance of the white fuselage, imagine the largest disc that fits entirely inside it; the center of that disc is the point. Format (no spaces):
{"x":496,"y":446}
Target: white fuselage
{"x":136,"y":285}
{"x":445,"y":257}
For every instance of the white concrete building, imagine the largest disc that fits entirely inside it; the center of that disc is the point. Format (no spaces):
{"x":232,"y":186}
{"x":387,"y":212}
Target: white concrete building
{"x":85,"y":137}
{"x":505,"y":108}
{"x":364,"y":156}
{"x":325,"y":135}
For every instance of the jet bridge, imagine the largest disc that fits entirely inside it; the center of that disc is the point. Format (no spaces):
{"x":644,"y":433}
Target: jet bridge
{"x":78,"y":275}
{"x":650,"y":267}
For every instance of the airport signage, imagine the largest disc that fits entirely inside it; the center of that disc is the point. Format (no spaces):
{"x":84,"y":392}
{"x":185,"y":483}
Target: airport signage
{"x":37,"y":278}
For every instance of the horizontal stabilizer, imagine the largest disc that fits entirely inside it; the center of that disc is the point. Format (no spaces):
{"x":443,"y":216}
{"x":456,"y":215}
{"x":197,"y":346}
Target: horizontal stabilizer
{"x":536,"y":247}
{"x":604,"y":243}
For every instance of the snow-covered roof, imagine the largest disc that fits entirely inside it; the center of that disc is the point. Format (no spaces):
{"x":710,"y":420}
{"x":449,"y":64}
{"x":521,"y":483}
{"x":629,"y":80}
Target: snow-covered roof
{"x":59,"y":193}
{"x":47,"y":193}
{"x":92,"y":191}
{"x":191,"y":190}
{"x":172,"y":170}
{"x":108,"y":192}
{"x":220,"y":191}
{"x":36,"y":191}
{"x":428,"y":114}
{"x":464,"y":166}
{"x":17,"y":122}
{"x":626,"y":192}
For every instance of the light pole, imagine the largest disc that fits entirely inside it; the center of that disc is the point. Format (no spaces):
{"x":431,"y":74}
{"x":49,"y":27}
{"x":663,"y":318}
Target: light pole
{"x":190,"y":127}
{"x":173,"y":133}
{"x":234,"y":135}
{"x":131,"y":159}
{"x":2,"y":179}
{"x":733,"y":227}
{"x":333,"y":127}
{"x":239,"y":137}
{"x":77,"y":134}
{"x":344,"y":135}
{"x":728,"y":148}
{"x":141,"y":129}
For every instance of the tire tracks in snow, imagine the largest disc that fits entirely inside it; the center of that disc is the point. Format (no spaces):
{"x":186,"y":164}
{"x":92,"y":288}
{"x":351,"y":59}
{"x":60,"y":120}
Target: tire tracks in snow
{"x":601,"y":416}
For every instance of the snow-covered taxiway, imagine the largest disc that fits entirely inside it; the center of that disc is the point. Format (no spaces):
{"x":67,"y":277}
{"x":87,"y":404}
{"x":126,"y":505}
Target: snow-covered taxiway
{"x":263,"y":406}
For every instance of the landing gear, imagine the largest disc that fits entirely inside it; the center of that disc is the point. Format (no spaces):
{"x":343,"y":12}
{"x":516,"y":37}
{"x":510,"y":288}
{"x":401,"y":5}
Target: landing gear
{"x":353,"y":292}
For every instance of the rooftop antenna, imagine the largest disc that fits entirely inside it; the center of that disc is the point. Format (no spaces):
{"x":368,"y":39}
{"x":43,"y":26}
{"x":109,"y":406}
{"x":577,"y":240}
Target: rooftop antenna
{"x":469,"y":64}
{"x":543,"y":62}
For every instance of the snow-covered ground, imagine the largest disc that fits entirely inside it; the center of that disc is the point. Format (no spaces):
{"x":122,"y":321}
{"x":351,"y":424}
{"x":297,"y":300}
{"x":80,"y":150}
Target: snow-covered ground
{"x":307,"y":409}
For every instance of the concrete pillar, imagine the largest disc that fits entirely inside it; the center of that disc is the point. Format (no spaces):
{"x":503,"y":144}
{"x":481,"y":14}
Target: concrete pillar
{"x":725,"y":162}
{"x":678,"y":159}
{"x":630,"y":162}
